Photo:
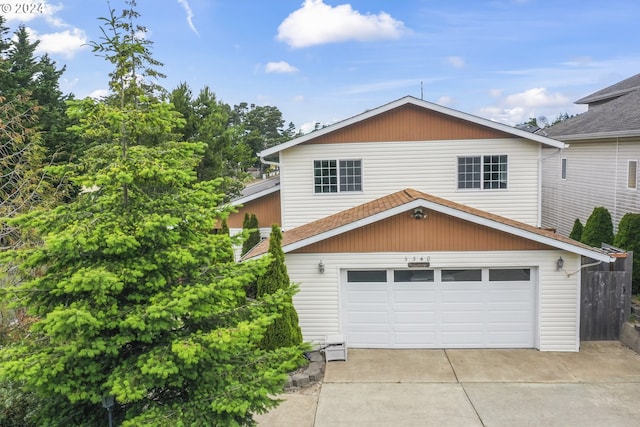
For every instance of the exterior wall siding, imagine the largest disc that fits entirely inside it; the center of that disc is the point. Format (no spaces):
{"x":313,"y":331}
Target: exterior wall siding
{"x":409,"y":123}
{"x":436,"y":232}
{"x":266,"y":209}
{"x":318,"y":301}
{"x":428,"y":166}
{"x":596,"y":176}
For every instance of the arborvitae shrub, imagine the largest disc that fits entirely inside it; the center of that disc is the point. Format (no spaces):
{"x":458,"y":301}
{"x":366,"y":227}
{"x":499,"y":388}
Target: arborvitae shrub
{"x":628,"y":238}
{"x":576,"y":231}
{"x":285,"y":330}
{"x":250,"y":223}
{"x":598,"y":228}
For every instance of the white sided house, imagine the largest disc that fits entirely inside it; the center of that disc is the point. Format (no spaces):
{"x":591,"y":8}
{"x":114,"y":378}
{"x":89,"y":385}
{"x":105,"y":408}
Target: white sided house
{"x":416,"y":226}
{"x":601,"y":166}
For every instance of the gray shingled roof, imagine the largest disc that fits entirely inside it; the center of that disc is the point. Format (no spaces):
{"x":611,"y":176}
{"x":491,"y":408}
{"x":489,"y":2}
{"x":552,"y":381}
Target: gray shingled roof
{"x":613,"y":111}
{"x":620,"y":88}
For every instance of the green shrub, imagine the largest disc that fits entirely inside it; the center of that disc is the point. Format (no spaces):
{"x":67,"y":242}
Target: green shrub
{"x":628,"y":238}
{"x":598,"y":228}
{"x":285,"y":330}
{"x":576,"y":231}
{"x":250,"y":224}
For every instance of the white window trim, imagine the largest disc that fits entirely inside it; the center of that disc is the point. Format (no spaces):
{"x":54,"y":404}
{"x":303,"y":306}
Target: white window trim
{"x":481,"y":173}
{"x":338,"y":160}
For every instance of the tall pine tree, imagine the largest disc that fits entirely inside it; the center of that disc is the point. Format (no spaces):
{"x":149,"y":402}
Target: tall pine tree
{"x":132,"y":294}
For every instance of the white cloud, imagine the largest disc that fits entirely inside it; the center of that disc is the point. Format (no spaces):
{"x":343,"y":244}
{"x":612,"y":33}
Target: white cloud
{"x":298,"y":99}
{"x":187,"y":9}
{"x":455,"y":61}
{"x":536,"y":97}
{"x":520,"y":107}
{"x":28,"y":10}
{"x":279,"y":67}
{"x":510,"y":116}
{"x":445,"y":100}
{"x":66,"y":43}
{"x":307,"y":127}
{"x":99,"y":93}
{"x":317,"y":23}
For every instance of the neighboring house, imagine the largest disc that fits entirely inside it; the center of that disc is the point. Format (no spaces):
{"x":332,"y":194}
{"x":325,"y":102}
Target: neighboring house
{"x":416,"y":226}
{"x":600,"y":166}
{"x":261,"y":198}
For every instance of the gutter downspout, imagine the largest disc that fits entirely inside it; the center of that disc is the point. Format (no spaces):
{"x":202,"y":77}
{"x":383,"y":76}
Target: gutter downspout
{"x":615,"y":187}
{"x":267,"y":162}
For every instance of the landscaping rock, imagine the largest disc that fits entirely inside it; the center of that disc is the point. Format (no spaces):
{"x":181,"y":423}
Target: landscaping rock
{"x":310,"y":374}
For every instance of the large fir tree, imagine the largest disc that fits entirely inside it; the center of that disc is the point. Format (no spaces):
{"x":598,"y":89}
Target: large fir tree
{"x":132,"y":294}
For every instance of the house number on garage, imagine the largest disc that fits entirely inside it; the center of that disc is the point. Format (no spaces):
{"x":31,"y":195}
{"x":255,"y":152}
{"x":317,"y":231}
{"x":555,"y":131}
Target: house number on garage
{"x":420,"y":263}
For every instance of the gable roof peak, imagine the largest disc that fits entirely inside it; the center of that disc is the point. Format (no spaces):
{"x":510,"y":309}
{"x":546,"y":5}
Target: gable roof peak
{"x":410,"y":100}
{"x":403,"y":200}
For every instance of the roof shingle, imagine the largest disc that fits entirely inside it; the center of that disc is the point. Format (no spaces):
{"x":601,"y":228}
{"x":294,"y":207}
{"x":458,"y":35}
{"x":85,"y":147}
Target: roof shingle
{"x":395,"y":200}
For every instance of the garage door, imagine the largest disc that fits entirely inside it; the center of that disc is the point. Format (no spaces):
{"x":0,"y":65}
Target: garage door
{"x":439,"y":308}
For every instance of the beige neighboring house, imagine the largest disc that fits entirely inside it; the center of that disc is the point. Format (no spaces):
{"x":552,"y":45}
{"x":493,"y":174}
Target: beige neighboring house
{"x":413,"y":225}
{"x":600,"y":165}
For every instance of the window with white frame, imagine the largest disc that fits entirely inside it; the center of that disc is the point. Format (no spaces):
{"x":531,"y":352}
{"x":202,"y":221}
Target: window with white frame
{"x":632,"y":175}
{"x":563,"y":168}
{"x":486,"y":172}
{"x":337,"y":176}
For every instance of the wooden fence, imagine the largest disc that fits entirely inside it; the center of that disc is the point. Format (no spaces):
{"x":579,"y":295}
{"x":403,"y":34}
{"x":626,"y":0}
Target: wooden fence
{"x":605,"y":299}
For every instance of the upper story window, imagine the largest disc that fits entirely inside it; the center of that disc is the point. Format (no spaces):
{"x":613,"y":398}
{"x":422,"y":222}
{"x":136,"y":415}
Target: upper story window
{"x":482,"y":172}
{"x":337,"y":176}
{"x":632,"y":175}
{"x":563,"y":168}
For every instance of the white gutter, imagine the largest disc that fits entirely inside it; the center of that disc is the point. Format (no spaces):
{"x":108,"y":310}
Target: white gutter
{"x":593,"y":135}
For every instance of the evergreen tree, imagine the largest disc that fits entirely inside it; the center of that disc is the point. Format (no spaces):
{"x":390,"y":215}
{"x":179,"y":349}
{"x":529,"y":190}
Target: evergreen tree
{"x":598,"y":229}
{"x":576,"y":231}
{"x":36,"y":83}
{"x":131,"y":294}
{"x":23,"y":186}
{"x":251,"y":226}
{"x":628,"y":238}
{"x":208,"y":120}
{"x":224,"y":228}
{"x":285,"y":330}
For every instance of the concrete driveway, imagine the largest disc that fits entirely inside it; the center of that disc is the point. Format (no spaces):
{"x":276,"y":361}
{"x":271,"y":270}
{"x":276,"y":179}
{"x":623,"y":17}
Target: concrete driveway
{"x":599,"y":386}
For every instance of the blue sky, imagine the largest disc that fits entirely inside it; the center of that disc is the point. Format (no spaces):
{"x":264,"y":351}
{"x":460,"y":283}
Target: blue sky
{"x":326,"y":60}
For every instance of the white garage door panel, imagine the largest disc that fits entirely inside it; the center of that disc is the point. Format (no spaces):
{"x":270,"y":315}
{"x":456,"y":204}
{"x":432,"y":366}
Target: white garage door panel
{"x":434,"y":314}
{"x":370,"y":340}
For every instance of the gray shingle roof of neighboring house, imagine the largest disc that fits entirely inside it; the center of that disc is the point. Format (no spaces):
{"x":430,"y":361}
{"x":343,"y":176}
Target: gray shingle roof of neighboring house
{"x":259,"y":186}
{"x":258,"y":189}
{"x":613,"y":111}
{"x":620,"y":88}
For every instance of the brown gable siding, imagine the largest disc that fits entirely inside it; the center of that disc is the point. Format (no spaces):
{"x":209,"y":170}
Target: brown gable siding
{"x":438,"y":232}
{"x":409,"y":123}
{"x":266,"y":209}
